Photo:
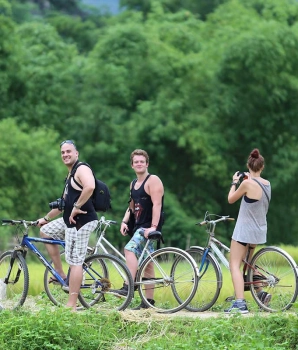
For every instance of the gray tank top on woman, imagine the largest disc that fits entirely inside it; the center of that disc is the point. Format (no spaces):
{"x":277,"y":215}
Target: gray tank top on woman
{"x":251,"y":225}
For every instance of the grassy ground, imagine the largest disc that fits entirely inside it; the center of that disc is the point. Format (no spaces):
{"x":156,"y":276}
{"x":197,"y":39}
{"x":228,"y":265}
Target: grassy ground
{"x":58,"y":328}
{"x":40,"y":325}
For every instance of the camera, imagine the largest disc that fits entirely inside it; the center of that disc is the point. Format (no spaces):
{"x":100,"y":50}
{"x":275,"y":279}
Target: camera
{"x":58,"y":204}
{"x":242,"y":176}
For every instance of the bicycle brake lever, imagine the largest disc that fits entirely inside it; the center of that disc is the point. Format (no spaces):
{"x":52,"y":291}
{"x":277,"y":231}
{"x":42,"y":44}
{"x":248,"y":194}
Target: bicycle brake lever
{"x":201,"y":223}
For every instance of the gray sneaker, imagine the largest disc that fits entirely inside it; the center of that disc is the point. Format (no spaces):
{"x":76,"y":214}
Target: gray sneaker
{"x":264,"y":297}
{"x":237,"y":306}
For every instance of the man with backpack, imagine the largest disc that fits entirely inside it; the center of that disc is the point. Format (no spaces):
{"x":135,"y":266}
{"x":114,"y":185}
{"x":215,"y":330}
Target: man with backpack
{"x":78,"y":221}
{"x":146,"y":206}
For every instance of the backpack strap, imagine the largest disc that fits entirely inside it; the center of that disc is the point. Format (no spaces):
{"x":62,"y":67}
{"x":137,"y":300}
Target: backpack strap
{"x":263,"y":188}
{"x":73,"y":171}
{"x":132,"y":186}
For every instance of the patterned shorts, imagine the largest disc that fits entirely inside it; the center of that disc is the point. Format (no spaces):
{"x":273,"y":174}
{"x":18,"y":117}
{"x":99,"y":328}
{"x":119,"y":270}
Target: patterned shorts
{"x":137,"y":244}
{"x":76,"y":242}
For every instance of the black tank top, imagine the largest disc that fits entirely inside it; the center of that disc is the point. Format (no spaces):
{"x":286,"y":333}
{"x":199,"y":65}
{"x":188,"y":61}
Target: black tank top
{"x":71,"y":196}
{"x":143,"y":207}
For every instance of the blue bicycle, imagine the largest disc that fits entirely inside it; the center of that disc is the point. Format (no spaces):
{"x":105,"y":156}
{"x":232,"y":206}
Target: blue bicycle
{"x":102,"y":273}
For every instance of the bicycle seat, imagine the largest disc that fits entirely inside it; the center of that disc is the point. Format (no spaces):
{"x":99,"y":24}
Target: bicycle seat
{"x":154,"y":236}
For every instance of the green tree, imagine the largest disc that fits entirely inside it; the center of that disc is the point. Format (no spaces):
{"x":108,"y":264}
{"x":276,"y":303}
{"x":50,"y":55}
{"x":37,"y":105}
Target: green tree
{"x":11,"y":81}
{"x":201,"y":8}
{"x":75,"y":31}
{"x":31,"y":171}
{"x":49,"y":68}
{"x":255,"y":99}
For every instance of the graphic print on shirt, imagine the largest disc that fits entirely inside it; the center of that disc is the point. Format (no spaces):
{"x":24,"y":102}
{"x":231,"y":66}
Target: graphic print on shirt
{"x":138,"y":211}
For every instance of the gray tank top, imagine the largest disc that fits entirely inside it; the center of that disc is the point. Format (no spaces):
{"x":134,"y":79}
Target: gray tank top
{"x":251,"y":225}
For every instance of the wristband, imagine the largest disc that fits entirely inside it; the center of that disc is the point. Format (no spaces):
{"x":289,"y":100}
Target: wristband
{"x":124,"y":222}
{"x":46,"y":218}
{"x":233,"y":184}
{"x":76,"y":206}
{"x":154,"y":226}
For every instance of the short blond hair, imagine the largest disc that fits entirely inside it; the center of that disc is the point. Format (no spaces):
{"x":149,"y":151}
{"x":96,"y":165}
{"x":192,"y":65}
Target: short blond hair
{"x":139,"y":152}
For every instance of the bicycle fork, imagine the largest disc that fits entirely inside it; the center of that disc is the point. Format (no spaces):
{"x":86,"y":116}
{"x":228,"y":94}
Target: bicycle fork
{"x":11,"y":263}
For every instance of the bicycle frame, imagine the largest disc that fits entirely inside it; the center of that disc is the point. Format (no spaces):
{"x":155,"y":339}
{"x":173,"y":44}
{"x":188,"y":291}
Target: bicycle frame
{"x":102,"y":241}
{"x":27,"y":244}
{"x":213,"y":247}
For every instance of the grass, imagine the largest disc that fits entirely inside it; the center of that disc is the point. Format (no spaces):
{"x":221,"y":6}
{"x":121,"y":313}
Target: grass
{"x":59,"y":328}
{"x":44,"y":326}
{"x":36,"y":271}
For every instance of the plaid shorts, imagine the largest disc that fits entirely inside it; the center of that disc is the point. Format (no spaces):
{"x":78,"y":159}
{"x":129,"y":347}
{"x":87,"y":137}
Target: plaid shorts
{"x":76,"y":242}
{"x":137,"y":245}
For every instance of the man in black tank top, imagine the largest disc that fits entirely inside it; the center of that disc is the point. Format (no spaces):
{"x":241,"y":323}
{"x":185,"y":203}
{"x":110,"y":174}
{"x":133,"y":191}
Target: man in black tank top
{"x":79,"y":220}
{"x":147,"y":194}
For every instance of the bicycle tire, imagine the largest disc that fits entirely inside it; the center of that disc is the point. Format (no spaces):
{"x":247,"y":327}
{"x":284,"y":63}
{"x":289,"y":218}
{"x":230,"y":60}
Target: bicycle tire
{"x":278,"y":277}
{"x":13,"y":294}
{"x":210,"y":281}
{"x":174,"y":272}
{"x":103,"y":274}
{"x":55,"y":292}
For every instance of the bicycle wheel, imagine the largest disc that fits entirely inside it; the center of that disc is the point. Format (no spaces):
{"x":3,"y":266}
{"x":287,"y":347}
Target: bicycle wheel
{"x":275,"y":272}
{"x":210,"y":281}
{"x":104,"y":273}
{"x":55,"y":291}
{"x":164,"y":275}
{"x":13,"y":293}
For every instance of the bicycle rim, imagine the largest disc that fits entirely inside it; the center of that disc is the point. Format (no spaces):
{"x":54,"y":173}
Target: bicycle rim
{"x":166,"y":274}
{"x":13,"y":293}
{"x":277,"y":276}
{"x":210,"y":282}
{"x":104,"y":273}
{"x":54,"y":290}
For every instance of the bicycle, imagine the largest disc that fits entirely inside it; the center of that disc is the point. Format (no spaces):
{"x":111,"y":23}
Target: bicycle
{"x":183,"y":280}
{"x":101,"y":273}
{"x":270,"y":268}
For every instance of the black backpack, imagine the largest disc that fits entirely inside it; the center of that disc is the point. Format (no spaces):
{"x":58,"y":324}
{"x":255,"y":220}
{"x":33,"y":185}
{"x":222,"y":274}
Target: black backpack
{"x":101,"y":197}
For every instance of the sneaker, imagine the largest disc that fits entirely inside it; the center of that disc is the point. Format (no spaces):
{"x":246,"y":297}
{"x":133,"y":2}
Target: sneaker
{"x":143,"y":305}
{"x":122,"y":291}
{"x":237,"y":306}
{"x":264,"y":297}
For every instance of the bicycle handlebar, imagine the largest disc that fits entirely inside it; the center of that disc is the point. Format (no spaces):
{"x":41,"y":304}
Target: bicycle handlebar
{"x":18,"y":222}
{"x":222,"y":218}
{"x":103,"y":220}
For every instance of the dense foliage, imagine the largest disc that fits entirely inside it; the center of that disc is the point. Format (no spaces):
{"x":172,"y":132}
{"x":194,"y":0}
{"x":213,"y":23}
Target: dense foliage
{"x":196,"y":85}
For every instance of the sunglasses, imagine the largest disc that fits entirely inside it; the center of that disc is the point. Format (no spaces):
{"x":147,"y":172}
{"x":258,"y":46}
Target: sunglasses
{"x":68,"y":141}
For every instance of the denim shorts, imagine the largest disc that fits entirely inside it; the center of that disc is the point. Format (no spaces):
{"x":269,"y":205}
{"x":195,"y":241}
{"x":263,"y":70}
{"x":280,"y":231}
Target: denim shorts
{"x":137,"y":245}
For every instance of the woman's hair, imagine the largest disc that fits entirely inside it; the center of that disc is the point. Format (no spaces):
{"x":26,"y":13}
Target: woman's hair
{"x":139,"y":152}
{"x":255,"y":161}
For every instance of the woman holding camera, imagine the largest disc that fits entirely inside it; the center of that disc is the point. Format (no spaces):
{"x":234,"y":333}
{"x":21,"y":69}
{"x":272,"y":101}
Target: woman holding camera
{"x":251,"y":225}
